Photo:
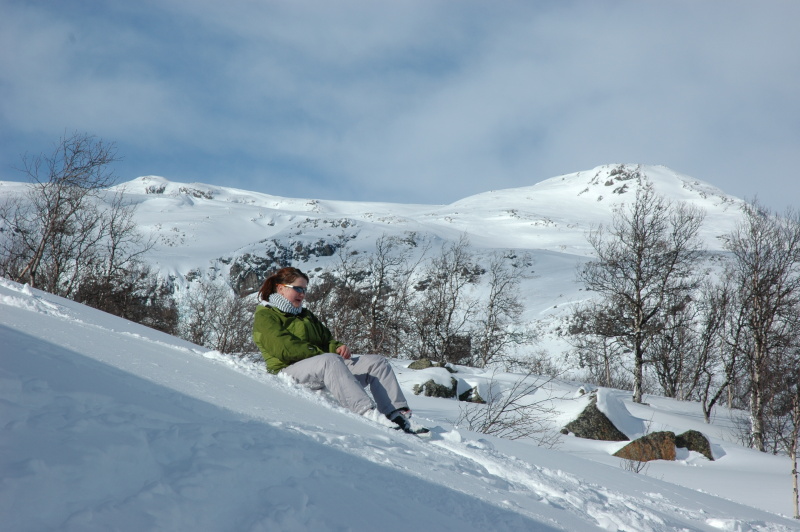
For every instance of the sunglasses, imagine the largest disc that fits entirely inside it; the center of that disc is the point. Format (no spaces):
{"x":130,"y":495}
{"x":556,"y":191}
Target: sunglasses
{"x":298,"y":289}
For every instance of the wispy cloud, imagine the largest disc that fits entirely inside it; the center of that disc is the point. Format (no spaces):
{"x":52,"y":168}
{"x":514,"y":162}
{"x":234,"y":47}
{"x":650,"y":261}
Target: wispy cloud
{"x":409,"y":101}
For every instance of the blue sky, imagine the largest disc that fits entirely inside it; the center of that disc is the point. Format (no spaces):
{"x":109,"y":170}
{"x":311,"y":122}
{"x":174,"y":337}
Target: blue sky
{"x":424,"y":101}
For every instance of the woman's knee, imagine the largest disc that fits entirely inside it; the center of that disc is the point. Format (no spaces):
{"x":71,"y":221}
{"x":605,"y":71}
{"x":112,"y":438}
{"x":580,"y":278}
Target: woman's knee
{"x":375,"y":360}
{"x":375,"y":365}
{"x":331,"y":360}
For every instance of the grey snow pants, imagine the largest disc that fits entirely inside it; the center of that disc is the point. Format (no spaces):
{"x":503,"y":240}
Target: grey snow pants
{"x":346,"y":380}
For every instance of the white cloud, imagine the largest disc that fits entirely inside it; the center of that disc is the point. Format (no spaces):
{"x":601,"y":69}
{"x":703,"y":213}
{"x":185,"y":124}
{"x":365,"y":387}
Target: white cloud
{"x":412,"y":101}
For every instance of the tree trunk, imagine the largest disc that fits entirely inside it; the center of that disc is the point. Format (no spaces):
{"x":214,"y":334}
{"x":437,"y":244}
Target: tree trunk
{"x":757,"y":420}
{"x":637,"y":375}
{"x":793,"y":455}
{"x":757,"y":400}
{"x":795,"y":503}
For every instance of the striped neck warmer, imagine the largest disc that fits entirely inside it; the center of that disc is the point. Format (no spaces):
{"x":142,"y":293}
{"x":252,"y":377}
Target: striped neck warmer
{"x":282,"y":304}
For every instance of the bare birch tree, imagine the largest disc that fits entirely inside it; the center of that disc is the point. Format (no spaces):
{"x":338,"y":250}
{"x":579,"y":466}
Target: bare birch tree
{"x":765,"y":271}
{"x":717,"y":364}
{"x":498,"y":323}
{"x":213,"y":316}
{"x":646,"y":261}
{"x":444,"y":307}
{"x":592,"y":332}
{"x":366,"y":300}
{"x":55,"y":228}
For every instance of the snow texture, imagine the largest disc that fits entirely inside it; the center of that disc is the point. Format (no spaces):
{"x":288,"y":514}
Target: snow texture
{"x":108,"y":425}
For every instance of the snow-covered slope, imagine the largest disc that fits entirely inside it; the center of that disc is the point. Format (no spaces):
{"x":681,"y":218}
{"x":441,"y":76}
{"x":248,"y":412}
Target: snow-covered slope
{"x":202,"y":228}
{"x":108,"y":425}
{"x":551,"y":215}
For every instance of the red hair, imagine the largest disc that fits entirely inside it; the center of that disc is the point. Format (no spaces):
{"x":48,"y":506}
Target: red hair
{"x":283,"y":276}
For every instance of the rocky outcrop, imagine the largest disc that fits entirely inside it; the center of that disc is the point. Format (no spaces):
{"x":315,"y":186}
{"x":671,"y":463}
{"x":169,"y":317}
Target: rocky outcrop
{"x":471,"y":396}
{"x":662,"y":446}
{"x":694,"y":441}
{"x":248,"y":271}
{"x":431,"y":388}
{"x":422,"y":363}
{"x":653,"y":446}
{"x":592,"y":424}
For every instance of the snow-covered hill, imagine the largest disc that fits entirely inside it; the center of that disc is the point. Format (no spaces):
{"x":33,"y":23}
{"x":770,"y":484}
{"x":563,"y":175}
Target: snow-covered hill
{"x":229,"y":233}
{"x":202,"y":228}
{"x":234,"y":234}
{"x":108,"y":425}
{"x":198,"y":220}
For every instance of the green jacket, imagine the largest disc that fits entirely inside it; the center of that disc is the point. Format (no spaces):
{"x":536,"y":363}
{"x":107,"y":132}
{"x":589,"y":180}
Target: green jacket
{"x":287,"y":338}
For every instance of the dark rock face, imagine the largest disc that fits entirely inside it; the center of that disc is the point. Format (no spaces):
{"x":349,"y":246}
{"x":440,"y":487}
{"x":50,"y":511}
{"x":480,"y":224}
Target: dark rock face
{"x":432,"y":389}
{"x":248,"y":271}
{"x":592,"y":424}
{"x":422,"y":363}
{"x":653,"y":446}
{"x":471,"y":396}
{"x":694,"y":441}
{"x":662,"y":446}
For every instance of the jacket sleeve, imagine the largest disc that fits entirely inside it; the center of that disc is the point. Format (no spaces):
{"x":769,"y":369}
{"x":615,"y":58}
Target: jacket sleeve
{"x":279,"y":347}
{"x":323,"y":338}
{"x":327,"y":337}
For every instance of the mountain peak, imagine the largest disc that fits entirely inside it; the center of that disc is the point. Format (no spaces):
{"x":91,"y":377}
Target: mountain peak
{"x":613,"y":182}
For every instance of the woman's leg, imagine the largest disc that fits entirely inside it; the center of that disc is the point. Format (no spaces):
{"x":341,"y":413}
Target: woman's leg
{"x":330,"y":371}
{"x":376,"y":372}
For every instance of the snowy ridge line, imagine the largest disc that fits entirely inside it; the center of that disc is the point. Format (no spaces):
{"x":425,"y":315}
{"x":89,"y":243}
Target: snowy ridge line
{"x":30,"y":301}
{"x":34,"y":303}
{"x":193,"y":350}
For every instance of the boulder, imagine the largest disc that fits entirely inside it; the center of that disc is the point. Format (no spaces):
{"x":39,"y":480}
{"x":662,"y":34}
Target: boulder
{"x":422,"y":363}
{"x":432,"y":389}
{"x":694,"y":441}
{"x":594,"y":425}
{"x":471,"y":396}
{"x":653,"y":446}
{"x":662,"y":446}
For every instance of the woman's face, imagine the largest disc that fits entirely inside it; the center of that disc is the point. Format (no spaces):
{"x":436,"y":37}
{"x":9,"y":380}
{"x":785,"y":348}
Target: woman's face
{"x":295,"y":291}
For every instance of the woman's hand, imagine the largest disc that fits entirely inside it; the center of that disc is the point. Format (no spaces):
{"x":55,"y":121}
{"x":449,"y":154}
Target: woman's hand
{"x":343,"y":351}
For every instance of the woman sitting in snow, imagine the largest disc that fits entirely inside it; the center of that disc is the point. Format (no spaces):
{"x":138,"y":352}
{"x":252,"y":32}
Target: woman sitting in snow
{"x":293,"y":341}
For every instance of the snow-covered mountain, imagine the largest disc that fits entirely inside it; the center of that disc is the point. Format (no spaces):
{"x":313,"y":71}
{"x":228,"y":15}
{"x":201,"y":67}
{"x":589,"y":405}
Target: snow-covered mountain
{"x":202,"y":221}
{"x":236,"y":236}
{"x":108,"y":425}
{"x":232,"y":232}
{"x":239,"y":236}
